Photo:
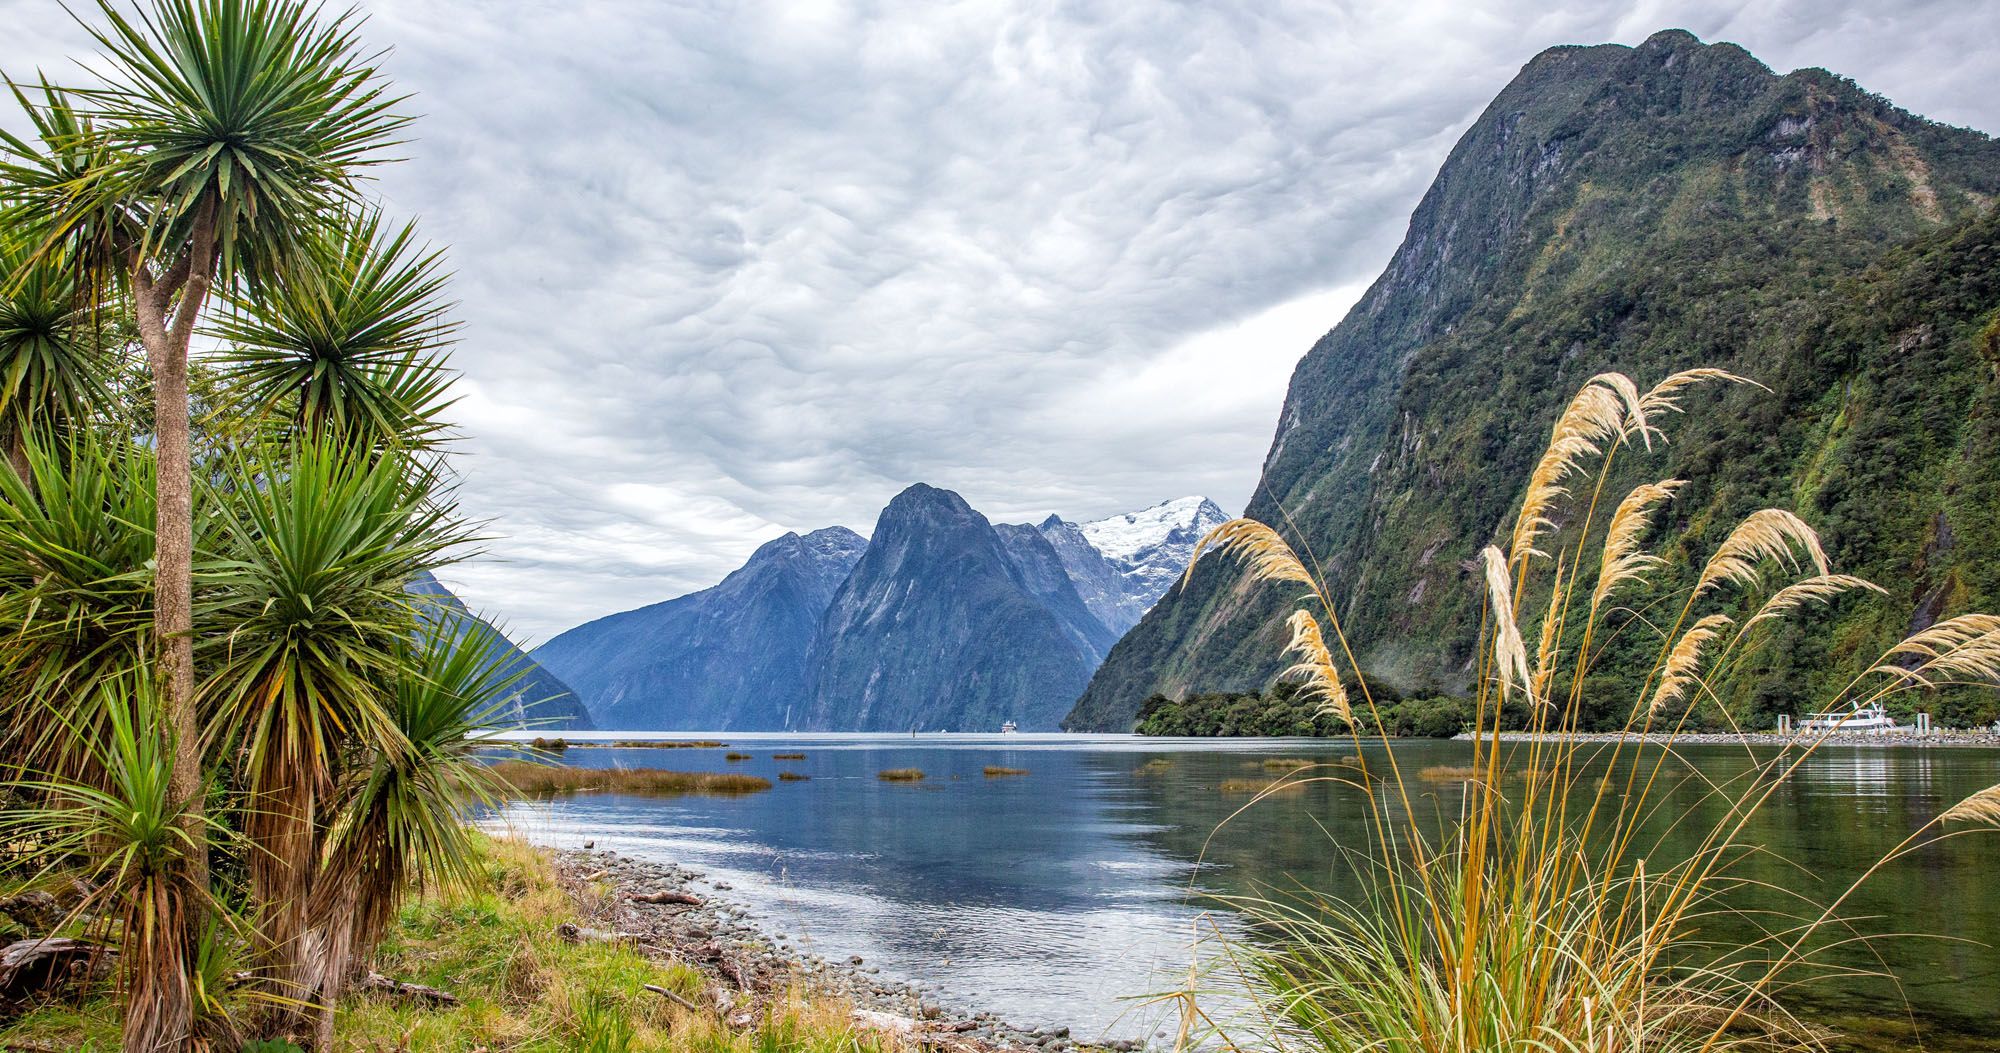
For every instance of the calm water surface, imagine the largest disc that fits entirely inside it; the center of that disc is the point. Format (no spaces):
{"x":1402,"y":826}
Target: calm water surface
{"x":1061,"y":896}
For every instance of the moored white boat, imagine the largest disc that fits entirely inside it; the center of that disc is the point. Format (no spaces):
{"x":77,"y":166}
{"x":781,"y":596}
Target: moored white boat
{"x":1858,"y":719}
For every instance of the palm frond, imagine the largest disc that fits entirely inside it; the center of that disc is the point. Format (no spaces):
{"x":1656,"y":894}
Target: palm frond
{"x":349,"y":340}
{"x":261,"y":110}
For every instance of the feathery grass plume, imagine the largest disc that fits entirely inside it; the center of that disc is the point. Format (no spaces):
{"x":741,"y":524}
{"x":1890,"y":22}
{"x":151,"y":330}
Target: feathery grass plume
{"x":1316,"y":671}
{"x":1271,"y":559}
{"x":1768,"y":533}
{"x":1981,"y":807}
{"x":1821,"y":589}
{"x":1545,"y":648}
{"x":1622,"y":561}
{"x":1510,"y":654}
{"x":1595,"y":416}
{"x":1684,"y":664}
{"x":1664,"y":398}
{"x":1968,"y":645}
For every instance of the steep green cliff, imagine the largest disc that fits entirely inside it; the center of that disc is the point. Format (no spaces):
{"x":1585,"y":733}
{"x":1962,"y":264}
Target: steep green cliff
{"x":1645,"y":210}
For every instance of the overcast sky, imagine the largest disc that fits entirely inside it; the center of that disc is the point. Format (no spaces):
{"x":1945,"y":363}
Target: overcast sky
{"x":732,"y":270}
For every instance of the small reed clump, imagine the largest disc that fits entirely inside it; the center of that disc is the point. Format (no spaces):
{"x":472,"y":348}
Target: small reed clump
{"x":1287,"y":763}
{"x":1262,"y":785}
{"x":994,"y":771}
{"x":549,"y":745}
{"x":1156,"y":766}
{"x":900,"y":775}
{"x":793,"y":776}
{"x":648,"y":744}
{"x":736,"y":756}
{"x":1448,"y":773}
{"x":788,"y":756}
{"x":525,"y":778}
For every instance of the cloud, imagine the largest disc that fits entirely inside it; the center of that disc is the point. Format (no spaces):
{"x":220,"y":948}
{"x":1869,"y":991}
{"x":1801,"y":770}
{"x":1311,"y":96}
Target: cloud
{"x":734,"y":269}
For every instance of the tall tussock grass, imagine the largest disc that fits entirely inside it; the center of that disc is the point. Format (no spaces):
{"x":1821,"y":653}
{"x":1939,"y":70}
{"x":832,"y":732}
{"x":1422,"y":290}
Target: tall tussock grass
{"x":1543,"y":912}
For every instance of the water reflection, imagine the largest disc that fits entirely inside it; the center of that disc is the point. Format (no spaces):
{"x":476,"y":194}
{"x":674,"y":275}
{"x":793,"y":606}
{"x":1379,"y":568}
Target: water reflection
{"x":1056,"y":897}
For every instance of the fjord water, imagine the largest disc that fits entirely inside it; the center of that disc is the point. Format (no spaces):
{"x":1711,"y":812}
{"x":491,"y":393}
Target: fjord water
{"x":1063,"y":896}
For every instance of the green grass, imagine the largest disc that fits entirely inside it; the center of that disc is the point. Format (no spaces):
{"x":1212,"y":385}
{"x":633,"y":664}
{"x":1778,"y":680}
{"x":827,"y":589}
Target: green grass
{"x":522,"y":988}
{"x":523,"y":778}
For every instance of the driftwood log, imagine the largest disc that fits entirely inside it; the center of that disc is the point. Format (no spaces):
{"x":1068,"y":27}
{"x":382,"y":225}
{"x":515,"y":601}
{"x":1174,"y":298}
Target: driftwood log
{"x":667,"y":896}
{"x":31,"y":966}
{"x":376,"y":983}
{"x":569,"y":933}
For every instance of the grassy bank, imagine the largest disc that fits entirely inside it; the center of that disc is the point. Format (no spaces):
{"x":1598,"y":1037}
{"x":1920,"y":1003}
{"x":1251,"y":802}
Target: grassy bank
{"x":520,"y":986}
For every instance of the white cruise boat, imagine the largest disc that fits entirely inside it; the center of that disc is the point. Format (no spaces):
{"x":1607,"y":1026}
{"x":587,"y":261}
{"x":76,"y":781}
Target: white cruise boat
{"x":1858,"y":719}
{"x":1009,"y":728}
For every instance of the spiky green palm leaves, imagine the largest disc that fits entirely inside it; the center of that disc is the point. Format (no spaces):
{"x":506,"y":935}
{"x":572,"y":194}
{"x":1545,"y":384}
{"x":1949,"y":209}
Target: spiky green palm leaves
{"x":317,"y":549}
{"x":350,"y":342}
{"x":75,"y":594}
{"x":402,"y":816}
{"x":132,"y":827}
{"x":52,"y":369}
{"x":221,"y":134}
{"x":252,"y":116}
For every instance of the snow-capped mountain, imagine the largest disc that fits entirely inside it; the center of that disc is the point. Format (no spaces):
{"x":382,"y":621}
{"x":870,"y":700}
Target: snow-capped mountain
{"x":1123,"y":564}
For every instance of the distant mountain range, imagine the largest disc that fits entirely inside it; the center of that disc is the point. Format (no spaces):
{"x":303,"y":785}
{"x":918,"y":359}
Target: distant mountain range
{"x":943,"y":621}
{"x":539,"y":699}
{"x":727,"y":658}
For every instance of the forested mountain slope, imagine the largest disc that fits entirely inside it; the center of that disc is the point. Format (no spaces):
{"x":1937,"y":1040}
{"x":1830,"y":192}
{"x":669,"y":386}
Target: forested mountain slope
{"x":1643,"y":210}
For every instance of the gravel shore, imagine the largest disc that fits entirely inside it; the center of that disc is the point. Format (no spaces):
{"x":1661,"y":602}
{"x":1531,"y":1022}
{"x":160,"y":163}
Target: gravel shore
{"x":1980,"y":739}
{"x":747,"y":968}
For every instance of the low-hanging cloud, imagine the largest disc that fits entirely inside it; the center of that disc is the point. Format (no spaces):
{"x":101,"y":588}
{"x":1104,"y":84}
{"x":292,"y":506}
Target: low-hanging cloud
{"x":728,"y":270}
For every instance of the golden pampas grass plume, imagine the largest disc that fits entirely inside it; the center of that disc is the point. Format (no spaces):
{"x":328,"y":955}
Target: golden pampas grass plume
{"x":1622,"y":561}
{"x":1683,"y":666}
{"x":1981,"y":807}
{"x":1595,"y":416}
{"x":1315,"y":669}
{"x":1510,"y":654}
{"x":1766,"y":534}
{"x":1967,"y":646}
{"x":1270,"y":557}
{"x":1822,"y":588}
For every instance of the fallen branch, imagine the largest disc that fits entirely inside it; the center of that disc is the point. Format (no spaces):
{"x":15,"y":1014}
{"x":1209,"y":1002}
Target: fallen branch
{"x":378,"y":984}
{"x":672,"y":997}
{"x":27,"y":966}
{"x":666,"y":896}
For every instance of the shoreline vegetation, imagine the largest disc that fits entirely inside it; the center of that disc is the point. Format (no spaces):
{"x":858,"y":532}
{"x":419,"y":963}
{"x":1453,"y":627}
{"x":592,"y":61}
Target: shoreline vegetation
{"x":575,"y":950}
{"x":1543,"y":913}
